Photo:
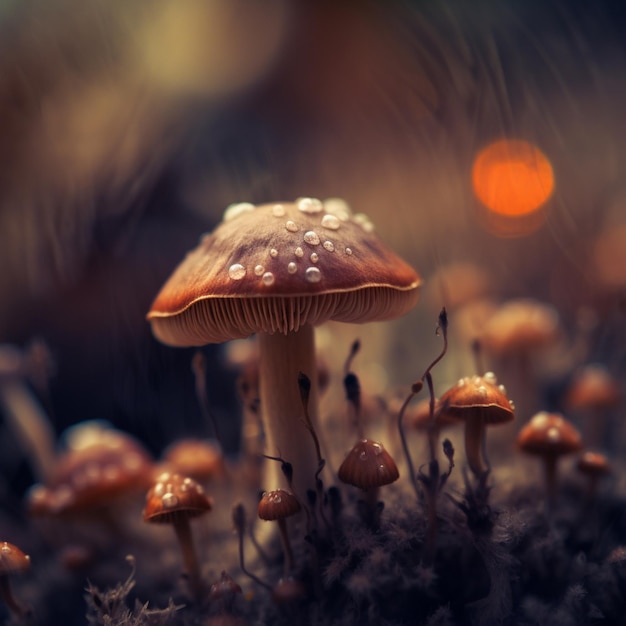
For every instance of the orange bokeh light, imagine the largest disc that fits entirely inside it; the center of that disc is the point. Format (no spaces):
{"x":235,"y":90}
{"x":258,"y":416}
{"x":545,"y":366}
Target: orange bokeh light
{"x":512,"y":177}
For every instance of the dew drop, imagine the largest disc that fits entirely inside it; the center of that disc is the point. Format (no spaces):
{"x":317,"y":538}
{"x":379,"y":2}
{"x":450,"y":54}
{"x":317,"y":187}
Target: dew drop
{"x":363,"y":455}
{"x":291,"y":226}
{"x":6,"y":549}
{"x":169,"y":501}
{"x":461,"y":382}
{"x":502,"y":389}
{"x":309,"y":205}
{"x":553,"y":434}
{"x":540,"y":420}
{"x":277,"y":499}
{"x":312,"y":238}
{"x":268,"y":278}
{"x":315,"y":257}
{"x":273,"y":253}
{"x":236,"y":271}
{"x":299,"y":252}
{"x":381,"y":468}
{"x":331,"y":222}
{"x":364,"y":222}
{"x":338,"y":207}
{"x":259,"y":269}
{"x":377,"y":448}
{"x":329,"y":245}
{"x":278,"y":210}
{"x":482,"y":390}
{"x":235,"y":210}
{"x":313,"y":275}
{"x":349,"y":251}
{"x":292,"y":268}
{"x":490,"y":377}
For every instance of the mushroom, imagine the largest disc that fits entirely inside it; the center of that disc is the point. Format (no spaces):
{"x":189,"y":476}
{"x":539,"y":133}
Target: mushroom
{"x":278,"y":505}
{"x":479,"y":402}
{"x":368,"y":466}
{"x":550,"y":436}
{"x":278,"y":270}
{"x":12,"y":560}
{"x":594,"y":465}
{"x":175,"y":499}
{"x":200,"y":459}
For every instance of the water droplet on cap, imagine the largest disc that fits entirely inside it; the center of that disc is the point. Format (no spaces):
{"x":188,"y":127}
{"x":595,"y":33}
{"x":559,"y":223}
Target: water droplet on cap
{"x":235,"y":210}
{"x":349,"y":251}
{"x":258,"y":270}
{"x":312,"y":238}
{"x":273,"y":253}
{"x":314,"y":257}
{"x":236,"y":271}
{"x":292,"y":268}
{"x":490,"y":377}
{"x":299,"y":252}
{"x":309,"y":205}
{"x":278,"y":210}
{"x":338,"y":207}
{"x":331,"y":222}
{"x":329,"y":245}
{"x":268,"y":278}
{"x":291,"y":226}
{"x":169,"y":501}
{"x":313,"y":275}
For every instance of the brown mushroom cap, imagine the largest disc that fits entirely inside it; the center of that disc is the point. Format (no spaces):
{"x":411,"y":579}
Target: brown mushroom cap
{"x":368,"y":465}
{"x":174,"y":496}
{"x":276,"y":267}
{"x":549,"y":434}
{"x":196,"y":458}
{"x":12,"y":559}
{"x":278,"y":504}
{"x":477,"y":395}
{"x":594,"y":464}
{"x":593,"y":388}
{"x":519,"y":326}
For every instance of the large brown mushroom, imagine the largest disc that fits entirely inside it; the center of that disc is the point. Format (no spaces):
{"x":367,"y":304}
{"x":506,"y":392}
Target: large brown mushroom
{"x":278,"y":270}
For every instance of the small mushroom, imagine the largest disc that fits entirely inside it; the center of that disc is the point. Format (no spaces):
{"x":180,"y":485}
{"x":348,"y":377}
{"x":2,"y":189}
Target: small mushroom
{"x":278,"y":270}
{"x":175,"y":499}
{"x":368,"y":466}
{"x":549,"y":436}
{"x":595,"y":466}
{"x":12,"y":561}
{"x":479,"y":402}
{"x":278,"y":505}
{"x":200,"y":459}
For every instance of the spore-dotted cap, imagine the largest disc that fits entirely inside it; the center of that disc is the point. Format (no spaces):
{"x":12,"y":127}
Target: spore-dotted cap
{"x":173,"y":496}
{"x":276,"y":267}
{"x":549,"y":434}
{"x":478,"y":395}
{"x":368,"y":465}
{"x":278,"y":504}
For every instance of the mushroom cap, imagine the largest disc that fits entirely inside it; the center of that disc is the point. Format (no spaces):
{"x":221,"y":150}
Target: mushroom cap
{"x":173,"y":497}
{"x":276,"y":267}
{"x":12,"y":559}
{"x":368,"y":465}
{"x":594,"y":464}
{"x":278,"y":504}
{"x":475,"y":396}
{"x":521,"y":325}
{"x":92,"y":474}
{"x":196,"y":458}
{"x":593,"y":388}
{"x":549,"y":434}
{"x":418,"y":416}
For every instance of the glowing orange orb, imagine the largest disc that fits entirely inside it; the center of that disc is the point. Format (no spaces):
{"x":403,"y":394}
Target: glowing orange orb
{"x":512,"y":177}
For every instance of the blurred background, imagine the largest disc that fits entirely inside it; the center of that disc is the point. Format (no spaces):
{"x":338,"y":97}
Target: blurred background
{"x":485,"y":139}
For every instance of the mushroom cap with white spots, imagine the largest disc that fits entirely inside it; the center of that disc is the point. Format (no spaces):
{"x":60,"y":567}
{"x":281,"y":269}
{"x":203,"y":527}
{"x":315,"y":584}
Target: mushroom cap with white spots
{"x":276,"y":267}
{"x":478,"y":396}
{"x":12,"y":559}
{"x":368,"y":465}
{"x":549,"y":434}
{"x":278,"y":504}
{"x":174,"y":496}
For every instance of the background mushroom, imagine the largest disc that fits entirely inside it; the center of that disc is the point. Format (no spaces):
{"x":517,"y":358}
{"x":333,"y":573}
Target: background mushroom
{"x":12,"y":561}
{"x":278,"y":270}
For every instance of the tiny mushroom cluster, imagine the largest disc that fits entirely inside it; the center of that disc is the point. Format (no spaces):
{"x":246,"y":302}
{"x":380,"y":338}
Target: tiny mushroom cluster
{"x":278,"y":270}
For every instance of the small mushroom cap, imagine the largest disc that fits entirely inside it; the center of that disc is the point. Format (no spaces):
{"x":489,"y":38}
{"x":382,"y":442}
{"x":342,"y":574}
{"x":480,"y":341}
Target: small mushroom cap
{"x":278,"y":504}
{"x":475,"y":396}
{"x":174,"y":496}
{"x":593,"y":388}
{"x":224,"y":588}
{"x":276,"y":267}
{"x":12,"y":559}
{"x":418,"y":417}
{"x":197,"y":458}
{"x":594,"y":464}
{"x":288,"y":590}
{"x":519,"y":326}
{"x":549,"y":434}
{"x":368,"y":465}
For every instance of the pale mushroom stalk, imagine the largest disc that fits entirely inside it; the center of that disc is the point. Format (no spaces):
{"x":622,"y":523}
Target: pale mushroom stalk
{"x":282,"y":357}
{"x":182,"y":528}
{"x":475,"y":435}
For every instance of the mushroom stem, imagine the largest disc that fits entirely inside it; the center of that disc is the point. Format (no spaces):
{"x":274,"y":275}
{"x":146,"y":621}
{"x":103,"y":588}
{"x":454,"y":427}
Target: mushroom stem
{"x":182,"y":528}
{"x":282,"y":527}
{"x":8,"y":598}
{"x":282,"y":357}
{"x":474,"y":446}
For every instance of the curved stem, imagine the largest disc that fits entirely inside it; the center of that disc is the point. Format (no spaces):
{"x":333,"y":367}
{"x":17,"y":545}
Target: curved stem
{"x":474,"y":441}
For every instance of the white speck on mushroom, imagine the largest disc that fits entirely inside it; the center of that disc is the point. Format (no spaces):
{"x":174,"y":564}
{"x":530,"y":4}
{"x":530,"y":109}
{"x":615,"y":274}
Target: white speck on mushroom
{"x":235,"y":210}
{"x":299,"y":252}
{"x":553,"y":434}
{"x":338,"y":207}
{"x":312,"y":238}
{"x":349,"y":251}
{"x":315,"y":257}
{"x":292,"y":268}
{"x":502,"y":389}
{"x":259,"y":270}
{"x":461,"y":382}
{"x":309,"y":205}
{"x":540,"y":420}
{"x":169,"y":500}
{"x":273,"y":253}
{"x":363,"y":455}
{"x":329,"y":245}
{"x":236,"y":271}
{"x":291,"y":226}
{"x":331,"y":222}
{"x":313,"y":275}
{"x":268,"y":278}
{"x":278,"y":210}
{"x":490,"y":377}
{"x":482,"y":390}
